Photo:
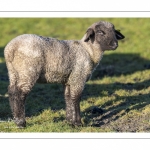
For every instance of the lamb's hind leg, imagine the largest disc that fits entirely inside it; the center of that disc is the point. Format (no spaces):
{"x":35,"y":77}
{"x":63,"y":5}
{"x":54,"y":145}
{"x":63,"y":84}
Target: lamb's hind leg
{"x":17,"y":96}
{"x":17,"y":102}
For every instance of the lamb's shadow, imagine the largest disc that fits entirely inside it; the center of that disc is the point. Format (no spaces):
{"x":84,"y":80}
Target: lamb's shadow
{"x":116,"y":64}
{"x":50,"y":96}
{"x":125,"y":103}
{"x":5,"y":112}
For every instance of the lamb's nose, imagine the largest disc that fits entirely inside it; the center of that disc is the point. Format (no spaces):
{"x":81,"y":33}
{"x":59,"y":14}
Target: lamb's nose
{"x":115,"y":44}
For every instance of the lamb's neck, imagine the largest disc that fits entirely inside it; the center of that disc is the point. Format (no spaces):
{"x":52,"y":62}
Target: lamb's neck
{"x":95,"y":52}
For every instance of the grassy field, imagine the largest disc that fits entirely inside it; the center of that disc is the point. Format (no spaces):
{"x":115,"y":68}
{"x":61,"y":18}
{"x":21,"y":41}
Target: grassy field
{"x":120,"y":86}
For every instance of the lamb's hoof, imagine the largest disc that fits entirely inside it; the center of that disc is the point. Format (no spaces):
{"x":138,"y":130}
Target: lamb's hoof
{"x":76,"y":124}
{"x":79,"y":124}
{"x":21,"y":123}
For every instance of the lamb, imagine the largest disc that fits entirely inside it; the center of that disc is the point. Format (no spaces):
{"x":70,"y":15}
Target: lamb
{"x":31,"y":58}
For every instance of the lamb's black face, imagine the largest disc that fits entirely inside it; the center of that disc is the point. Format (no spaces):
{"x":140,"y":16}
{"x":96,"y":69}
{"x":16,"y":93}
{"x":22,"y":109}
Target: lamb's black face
{"x":106,"y":37}
{"x":104,"y":34}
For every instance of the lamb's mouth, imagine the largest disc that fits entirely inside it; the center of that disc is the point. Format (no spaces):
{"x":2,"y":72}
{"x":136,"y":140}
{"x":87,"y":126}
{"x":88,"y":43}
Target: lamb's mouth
{"x":114,"y":47}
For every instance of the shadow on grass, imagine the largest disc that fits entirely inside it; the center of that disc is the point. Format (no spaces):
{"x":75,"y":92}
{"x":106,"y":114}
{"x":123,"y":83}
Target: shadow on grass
{"x":5,"y":112}
{"x":41,"y":99}
{"x":117,"y":64}
{"x":120,"y":105}
{"x":45,"y":96}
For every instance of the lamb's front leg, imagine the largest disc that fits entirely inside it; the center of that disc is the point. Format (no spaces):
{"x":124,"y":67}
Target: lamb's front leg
{"x":72,"y":98}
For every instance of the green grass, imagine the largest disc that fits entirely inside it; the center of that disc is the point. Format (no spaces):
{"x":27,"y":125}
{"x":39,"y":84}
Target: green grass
{"x":120,"y":86}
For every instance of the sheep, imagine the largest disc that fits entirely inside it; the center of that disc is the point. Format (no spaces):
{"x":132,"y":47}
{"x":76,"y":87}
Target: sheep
{"x":32,"y":58}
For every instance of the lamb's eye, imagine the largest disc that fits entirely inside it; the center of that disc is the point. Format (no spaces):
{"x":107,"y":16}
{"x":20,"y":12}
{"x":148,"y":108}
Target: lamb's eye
{"x":101,"y":32}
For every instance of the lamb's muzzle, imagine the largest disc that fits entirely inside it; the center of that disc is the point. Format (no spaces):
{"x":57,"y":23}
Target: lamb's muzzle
{"x":31,"y":58}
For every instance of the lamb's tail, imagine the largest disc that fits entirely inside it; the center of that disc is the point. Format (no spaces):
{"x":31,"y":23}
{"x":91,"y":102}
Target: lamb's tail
{"x":9,"y":51}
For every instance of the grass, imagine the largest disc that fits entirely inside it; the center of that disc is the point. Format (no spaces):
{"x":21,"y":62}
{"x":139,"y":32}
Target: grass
{"x":120,"y":86}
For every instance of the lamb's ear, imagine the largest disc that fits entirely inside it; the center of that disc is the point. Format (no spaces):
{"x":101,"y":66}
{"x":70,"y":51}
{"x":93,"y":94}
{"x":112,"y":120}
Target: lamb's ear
{"x":89,"y":33}
{"x":119,"y":36}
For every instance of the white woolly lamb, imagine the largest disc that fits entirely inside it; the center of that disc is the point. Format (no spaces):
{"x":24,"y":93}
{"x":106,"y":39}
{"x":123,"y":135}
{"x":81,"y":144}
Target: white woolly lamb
{"x":31,"y":58}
